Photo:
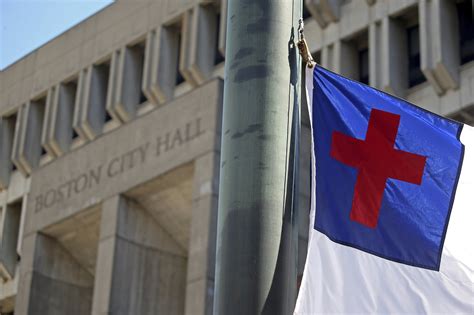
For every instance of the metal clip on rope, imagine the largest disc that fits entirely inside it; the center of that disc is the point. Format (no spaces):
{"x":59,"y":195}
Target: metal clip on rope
{"x":303,"y":46}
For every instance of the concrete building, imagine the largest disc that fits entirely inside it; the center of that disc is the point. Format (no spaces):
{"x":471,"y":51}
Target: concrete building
{"x":110,"y":140}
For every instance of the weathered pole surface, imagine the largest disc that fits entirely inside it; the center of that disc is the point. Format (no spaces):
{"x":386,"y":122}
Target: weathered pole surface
{"x":262,"y":73}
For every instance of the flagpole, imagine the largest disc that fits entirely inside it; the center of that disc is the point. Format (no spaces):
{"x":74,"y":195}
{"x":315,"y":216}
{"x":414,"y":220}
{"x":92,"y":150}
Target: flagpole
{"x":256,"y":255}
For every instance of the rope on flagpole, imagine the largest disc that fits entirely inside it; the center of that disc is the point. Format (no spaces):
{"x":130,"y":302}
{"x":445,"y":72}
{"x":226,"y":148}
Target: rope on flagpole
{"x":303,"y":46}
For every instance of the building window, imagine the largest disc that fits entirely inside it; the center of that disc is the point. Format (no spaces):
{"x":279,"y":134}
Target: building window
{"x":100,"y":79}
{"x":218,"y":57}
{"x":317,"y":56}
{"x":466,"y":30}
{"x":38,"y":110}
{"x":9,"y":238}
{"x":68,"y":99}
{"x":354,"y":57}
{"x":415,"y":76}
{"x":10,"y":129}
{"x":306,"y":13}
{"x":134,"y":63}
{"x":364,"y":65}
{"x":179,"y":77}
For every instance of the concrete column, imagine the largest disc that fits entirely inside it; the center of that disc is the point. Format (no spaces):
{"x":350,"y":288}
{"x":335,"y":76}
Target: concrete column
{"x":329,"y":56}
{"x":222,"y":27}
{"x":10,"y":218}
{"x":58,"y":131}
{"x":324,"y":11}
{"x":341,"y":57}
{"x":439,"y":38}
{"x":203,"y":42}
{"x":388,"y":63}
{"x":125,"y":88}
{"x":188,"y":23}
{"x":150,"y":69}
{"x":140,"y":268}
{"x":90,"y":112}
{"x":349,"y":60}
{"x":7,"y":133}
{"x":162,"y":62}
{"x":113,"y":94}
{"x":27,"y":149}
{"x":202,"y":239}
{"x":51,"y":281}
{"x":129,"y":81}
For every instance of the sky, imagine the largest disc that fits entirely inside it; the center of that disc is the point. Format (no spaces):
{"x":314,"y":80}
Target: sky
{"x":27,"y":24}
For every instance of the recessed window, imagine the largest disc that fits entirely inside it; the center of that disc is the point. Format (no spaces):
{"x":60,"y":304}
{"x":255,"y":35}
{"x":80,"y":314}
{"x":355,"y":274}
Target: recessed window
{"x":364,"y":65}
{"x":317,"y":56}
{"x":466,"y":30}
{"x":355,"y":57}
{"x":415,"y":75}
{"x":68,"y":101}
{"x":306,"y":13}
{"x":37,"y":111}
{"x":134,"y":63}
{"x":10,"y":126}
{"x":99,"y":87}
{"x":218,"y":57}
{"x":178,"y":37}
{"x":107,"y":116}
{"x":10,"y":235}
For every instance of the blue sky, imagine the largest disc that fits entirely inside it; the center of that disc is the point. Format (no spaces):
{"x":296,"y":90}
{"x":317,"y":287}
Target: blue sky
{"x":27,"y":24}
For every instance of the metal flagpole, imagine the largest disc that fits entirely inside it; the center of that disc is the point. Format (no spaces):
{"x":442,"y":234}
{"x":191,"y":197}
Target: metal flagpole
{"x":256,"y":255}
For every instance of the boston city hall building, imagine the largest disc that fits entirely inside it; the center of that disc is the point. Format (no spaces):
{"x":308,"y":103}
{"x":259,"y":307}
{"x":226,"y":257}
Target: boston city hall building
{"x":110,"y":141}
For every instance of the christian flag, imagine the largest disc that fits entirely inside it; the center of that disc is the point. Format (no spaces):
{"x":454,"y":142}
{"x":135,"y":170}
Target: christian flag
{"x":392,"y":218}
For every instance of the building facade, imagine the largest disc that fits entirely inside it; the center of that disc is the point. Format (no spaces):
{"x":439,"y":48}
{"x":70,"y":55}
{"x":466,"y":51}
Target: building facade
{"x":110,"y":141}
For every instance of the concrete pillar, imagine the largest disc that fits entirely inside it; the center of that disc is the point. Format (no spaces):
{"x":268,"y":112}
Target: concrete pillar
{"x":168,"y":52}
{"x":329,"y":56}
{"x":90,"y":112}
{"x":188,"y":23}
{"x":324,"y":11}
{"x":7,"y":133}
{"x":388,"y":63}
{"x":113,"y":85}
{"x":58,"y":131}
{"x":150,"y":69}
{"x":129,"y":74}
{"x":222,"y":27}
{"x":27,"y":149}
{"x":125,"y":83}
{"x":341,"y":57}
{"x":140,"y":268}
{"x":162,"y":62}
{"x":349,"y":60}
{"x":203,"y":42}
{"x":202,"y":239}
{"x":439,"y":39}
{"x":51,"y":281}
{"x":10,"y":219}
